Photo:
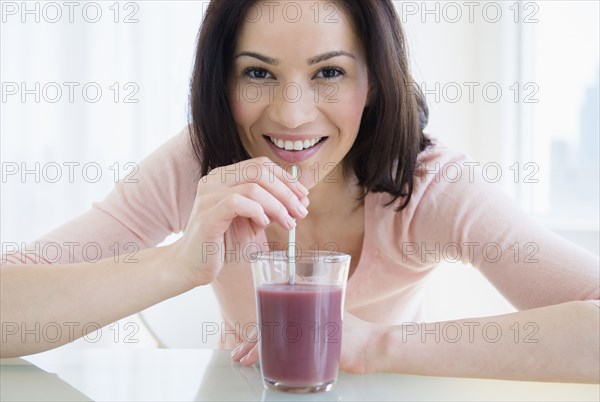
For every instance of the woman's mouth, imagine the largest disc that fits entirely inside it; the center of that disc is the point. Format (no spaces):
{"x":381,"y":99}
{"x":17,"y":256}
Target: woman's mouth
{"x":297,"y":145}
{"x":297,"y":150}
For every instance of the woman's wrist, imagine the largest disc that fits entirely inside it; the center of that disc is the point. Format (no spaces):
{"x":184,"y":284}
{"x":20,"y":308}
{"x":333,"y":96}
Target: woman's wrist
{"x":390,"y":349}
{"x":169,"y":260}
{"x":380,"y":351}
{"x":168,"y":268}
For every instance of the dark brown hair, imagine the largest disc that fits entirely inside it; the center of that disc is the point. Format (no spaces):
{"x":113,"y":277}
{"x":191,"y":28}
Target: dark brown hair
{"x":390,"y":137}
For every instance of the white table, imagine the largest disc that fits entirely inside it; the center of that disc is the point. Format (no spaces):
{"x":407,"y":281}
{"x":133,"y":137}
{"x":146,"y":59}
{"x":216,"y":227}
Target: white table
{"x":202,"y":374}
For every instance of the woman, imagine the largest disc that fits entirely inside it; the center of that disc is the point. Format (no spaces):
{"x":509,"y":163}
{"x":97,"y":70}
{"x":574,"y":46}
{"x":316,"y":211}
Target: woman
{"x":323,"y":85}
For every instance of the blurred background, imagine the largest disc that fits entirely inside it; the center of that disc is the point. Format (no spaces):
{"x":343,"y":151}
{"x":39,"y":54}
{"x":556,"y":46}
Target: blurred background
{"x":99,"y":85}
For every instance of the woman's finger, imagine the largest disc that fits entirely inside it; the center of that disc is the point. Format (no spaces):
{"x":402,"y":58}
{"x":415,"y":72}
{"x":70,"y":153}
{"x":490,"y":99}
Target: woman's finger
{"x":230,"y":207}
{"x":251,"y":357}
{"x":242,"y":351}
{"x":259,"y":170}
{"x":284,"y":213}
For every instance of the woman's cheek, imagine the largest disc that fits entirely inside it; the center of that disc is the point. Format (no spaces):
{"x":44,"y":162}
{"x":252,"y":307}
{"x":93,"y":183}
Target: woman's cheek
{"x":237,"y":110}
{"x":350,"y":111}
{"x":248,"y":108}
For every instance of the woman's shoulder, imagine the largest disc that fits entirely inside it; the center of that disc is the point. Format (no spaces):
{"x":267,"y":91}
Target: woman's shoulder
{"x":441,"y":190}
{"x":162,"y":188}
{"x":178,"y":148}
{"x":438,"y":167}
{"x":437,"y":156}
{"x":174,"y":160}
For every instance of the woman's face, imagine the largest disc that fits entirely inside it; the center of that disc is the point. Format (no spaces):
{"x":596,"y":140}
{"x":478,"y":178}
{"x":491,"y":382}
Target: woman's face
{"x":298,"y":85}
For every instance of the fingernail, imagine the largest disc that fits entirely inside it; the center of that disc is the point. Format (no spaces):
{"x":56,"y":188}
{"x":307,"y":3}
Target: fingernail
{"x":253,"y":333}
{"x":236,"y":351}
{"x":302,"y":210}
{"x":291,"y":222}
{"x":303,"y":190}
{"x":243,"y":360}
{"x":305,"y":201}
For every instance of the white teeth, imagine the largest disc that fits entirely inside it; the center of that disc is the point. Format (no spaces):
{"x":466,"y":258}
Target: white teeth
{"x":297,"y":145}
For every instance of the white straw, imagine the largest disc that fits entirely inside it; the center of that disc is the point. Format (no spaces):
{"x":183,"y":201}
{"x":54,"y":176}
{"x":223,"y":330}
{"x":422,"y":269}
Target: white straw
{"x":292,"y":241}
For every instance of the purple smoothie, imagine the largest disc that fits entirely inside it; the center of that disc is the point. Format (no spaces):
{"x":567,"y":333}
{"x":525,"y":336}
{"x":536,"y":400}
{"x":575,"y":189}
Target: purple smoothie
{"x":301,"y":333}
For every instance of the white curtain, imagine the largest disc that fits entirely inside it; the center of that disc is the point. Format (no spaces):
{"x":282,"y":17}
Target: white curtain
{"x":146,"y":61}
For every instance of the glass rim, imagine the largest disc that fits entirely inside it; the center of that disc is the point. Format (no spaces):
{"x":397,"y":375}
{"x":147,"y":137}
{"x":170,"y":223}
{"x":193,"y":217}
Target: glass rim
{"x":306,"y":256}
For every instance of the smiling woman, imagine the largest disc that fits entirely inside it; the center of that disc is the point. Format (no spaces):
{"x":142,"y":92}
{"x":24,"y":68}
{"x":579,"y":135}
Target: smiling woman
{"x":335,"y":97}
{"x":318,"y":87}
{"x":302,"y":116}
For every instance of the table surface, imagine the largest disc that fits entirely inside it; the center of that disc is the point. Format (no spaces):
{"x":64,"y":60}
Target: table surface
{"x":203,"y":374}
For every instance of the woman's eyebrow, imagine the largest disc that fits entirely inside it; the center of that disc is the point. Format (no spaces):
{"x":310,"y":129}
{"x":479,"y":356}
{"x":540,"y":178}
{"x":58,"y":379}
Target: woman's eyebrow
{"x":313,"y":60}
{"x":328,"y":55}
{"x":263,"y":58}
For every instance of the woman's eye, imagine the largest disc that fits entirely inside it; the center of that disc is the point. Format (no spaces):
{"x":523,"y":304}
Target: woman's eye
{"x":330,"y":73}
{"x":256,"y":73}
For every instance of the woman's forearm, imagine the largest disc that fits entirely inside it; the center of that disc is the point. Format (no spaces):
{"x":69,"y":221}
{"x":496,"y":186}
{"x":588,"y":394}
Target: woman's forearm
{"x":554,"y":343}
{"x":70,"y":298}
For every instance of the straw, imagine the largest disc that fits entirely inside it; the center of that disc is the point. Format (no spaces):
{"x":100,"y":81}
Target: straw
{"x":292,"y":240}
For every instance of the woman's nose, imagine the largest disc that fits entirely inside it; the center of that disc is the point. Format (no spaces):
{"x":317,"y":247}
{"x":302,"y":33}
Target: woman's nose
{"x":293,"y":106}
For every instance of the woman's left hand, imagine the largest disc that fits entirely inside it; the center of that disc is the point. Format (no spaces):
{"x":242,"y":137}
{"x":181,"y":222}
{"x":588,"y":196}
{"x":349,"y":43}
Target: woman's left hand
{"x":247,"y":352}
{"x":359,"y":340}
{"x":358,"y":346}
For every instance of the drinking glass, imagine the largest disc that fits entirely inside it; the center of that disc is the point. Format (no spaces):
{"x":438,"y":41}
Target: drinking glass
{"x":300,"y":320}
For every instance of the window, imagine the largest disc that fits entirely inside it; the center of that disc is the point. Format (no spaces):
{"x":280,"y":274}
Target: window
{"x":560,"y":128}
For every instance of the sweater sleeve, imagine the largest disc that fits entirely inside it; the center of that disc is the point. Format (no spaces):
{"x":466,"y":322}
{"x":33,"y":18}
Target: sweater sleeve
{"x":138,"y":213}
{"x":457,"y":215}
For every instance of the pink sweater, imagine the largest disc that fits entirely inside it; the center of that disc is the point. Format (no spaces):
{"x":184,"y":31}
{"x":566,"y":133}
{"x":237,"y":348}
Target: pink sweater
{"x":446,"y":220}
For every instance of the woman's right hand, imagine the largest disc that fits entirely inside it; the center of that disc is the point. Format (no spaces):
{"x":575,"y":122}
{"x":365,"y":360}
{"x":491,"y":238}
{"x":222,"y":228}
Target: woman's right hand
{"x":236,"y":202}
